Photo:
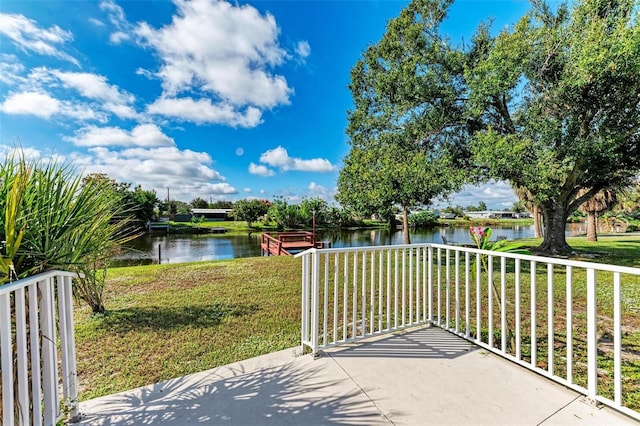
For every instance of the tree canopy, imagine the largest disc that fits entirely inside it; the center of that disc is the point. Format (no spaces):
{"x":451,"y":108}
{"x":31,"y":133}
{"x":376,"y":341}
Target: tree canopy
{"x":404,"y":128}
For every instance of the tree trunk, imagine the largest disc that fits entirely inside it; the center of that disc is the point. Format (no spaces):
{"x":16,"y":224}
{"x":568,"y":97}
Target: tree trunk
{"x":405,"y":225}
{"x":537,"y":222}
{"x":592,"y":226}
{"x":392,"y":224}
{"x":555,"y":221}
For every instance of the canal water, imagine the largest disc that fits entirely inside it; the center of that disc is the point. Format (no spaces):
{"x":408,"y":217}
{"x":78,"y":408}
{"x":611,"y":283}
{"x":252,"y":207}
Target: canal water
{"x":176,"y":248}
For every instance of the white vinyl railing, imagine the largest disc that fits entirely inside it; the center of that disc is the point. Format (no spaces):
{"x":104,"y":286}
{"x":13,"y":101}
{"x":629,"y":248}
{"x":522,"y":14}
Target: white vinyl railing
{"x":560,"y":318}
{"x":37,"y":369}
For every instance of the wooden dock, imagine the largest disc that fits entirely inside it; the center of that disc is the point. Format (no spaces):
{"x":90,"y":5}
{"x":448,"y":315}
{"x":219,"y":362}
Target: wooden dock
{"x":288,"y":243}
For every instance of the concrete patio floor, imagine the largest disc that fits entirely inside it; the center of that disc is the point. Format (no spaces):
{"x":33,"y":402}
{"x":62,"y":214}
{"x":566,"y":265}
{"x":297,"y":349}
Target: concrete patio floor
{"x":424,"y":376}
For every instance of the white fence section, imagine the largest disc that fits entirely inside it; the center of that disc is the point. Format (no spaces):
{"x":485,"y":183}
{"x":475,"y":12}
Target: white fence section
{"x":37,"y":369}
{"x":560,"y":318}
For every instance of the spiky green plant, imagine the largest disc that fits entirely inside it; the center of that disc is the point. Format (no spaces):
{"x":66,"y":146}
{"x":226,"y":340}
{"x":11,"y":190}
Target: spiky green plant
{"x":51,"y":219}
{"x":14,"y":180}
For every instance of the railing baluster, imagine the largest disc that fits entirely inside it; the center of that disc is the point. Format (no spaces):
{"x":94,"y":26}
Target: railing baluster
{"x":447,"y":285}
{"x":345,"y":309}
{"x":380,"y":293}
{"x":438,"y":301}
{"x":430,"y":284}
{"x":388,"y":289}
{"x":395,"y":290}
{"x":617,"y":340}
{"x":503,"y":304}
{"x":534,"y":310}
{"x":363,"y":318}
{"x":410,"y":286}
{"x":22,"y":354}
{"x":417,"y":302}
{"x":325,"y":313}
{"x":306,"y":311}
{"x":517,"y":311}
{"x":478,"y":298}
{"x":336,"y":301}
{"x":569,"y":313}
{"x":315,"y":296}
{"x":7,"y":360}
{"x":354,"y":318}
{"x":372,"y":300}
{"x":592,"y":336}
{"x":490,"y":297}
{"x":467,"y":295}
{"x":69,"y":379}
{"x":36,"y":352}
{"x":49,"y":364}
{"x":457,"y":296}
{"x":425,"y":260}
{"x":550,"y":331}
{"x":404,"y":286}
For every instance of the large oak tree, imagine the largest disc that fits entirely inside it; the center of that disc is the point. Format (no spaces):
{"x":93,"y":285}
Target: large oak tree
{"x":560,"y":95}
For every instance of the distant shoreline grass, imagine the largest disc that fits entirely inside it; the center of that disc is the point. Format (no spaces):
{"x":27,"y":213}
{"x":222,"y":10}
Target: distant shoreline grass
{"x":170,"y":320}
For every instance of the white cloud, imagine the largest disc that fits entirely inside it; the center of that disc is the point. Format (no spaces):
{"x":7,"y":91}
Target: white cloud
{"x":96,"y":22}
{"x":247,"y":190}
{"x":118,"y":37}
{"x":118,"y":20}
{"x":320,"y":191}
{"x":497,"y":195}
{"x":144,"y":135}
{"x":28,"y":36}
{"x":31,"y":103}
{"x":96,"y":101}
{"x":279,"y":157}
{"x":204,"y":111}
{"x":222,"y":50}
{"x":303,"y":49}
{"x":95,"y":87}
{"x":44,"y":106}
{"x":10,"y":69}
{"x":260,"y":170}
{"x":187,"y":173}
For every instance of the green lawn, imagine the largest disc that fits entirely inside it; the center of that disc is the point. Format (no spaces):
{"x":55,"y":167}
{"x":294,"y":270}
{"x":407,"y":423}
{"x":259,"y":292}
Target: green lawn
{"x":165,"y":321}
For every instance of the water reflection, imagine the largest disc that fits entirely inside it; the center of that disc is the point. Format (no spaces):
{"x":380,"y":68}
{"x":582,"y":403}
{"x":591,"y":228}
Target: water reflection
{"x":191,"y":248}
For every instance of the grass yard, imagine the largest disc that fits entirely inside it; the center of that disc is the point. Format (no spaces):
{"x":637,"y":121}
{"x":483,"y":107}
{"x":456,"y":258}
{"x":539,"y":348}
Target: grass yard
{"x":165,"y":321}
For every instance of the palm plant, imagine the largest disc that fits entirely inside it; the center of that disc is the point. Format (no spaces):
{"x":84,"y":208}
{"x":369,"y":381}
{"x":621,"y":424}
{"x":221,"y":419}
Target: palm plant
{"x":600,"y":202}
{"x":49,"y":219}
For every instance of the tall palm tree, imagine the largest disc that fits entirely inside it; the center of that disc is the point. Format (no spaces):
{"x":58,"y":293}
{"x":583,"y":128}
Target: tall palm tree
{"x":594,"y":206}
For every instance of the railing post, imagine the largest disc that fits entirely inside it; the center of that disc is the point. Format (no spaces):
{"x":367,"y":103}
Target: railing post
{"x":6,"y":361}
{"x":315,"y":289}
{"x":305,"y":300}
{"x":49,"y":354}
{"x":592,"y":336}
{"x":68,"y":346}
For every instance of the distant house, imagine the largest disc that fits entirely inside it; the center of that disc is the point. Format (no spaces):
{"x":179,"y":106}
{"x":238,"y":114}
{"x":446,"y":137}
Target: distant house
{"x":492,"y":214}
{"x":212,"y":214}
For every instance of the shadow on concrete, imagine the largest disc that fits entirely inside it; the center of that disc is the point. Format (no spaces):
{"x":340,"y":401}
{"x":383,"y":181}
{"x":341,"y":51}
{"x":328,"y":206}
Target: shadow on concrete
{"x":429,"y":342}
{"x":283,"y":395}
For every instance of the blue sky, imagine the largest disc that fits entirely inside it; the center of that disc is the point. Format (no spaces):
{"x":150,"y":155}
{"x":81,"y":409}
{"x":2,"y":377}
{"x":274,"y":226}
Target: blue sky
{"x":210,"y":99}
